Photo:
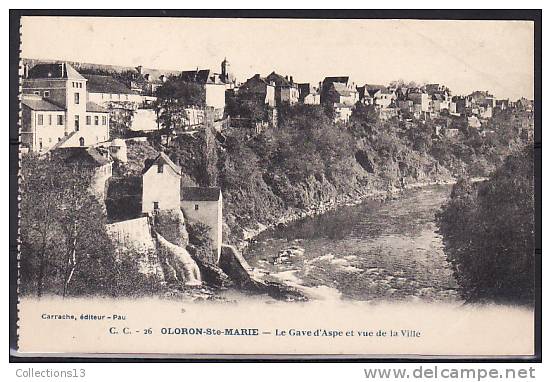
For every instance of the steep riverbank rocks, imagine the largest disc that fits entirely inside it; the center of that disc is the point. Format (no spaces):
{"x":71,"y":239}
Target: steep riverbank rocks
{"x":235,"y":265}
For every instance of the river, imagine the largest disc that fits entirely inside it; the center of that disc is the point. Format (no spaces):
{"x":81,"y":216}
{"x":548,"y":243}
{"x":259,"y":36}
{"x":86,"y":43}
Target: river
{"x":373,"y":251}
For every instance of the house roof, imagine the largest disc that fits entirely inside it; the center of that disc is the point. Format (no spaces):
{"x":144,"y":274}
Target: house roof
{"x":84,"y":155}
{"x":59,"y":70}
{"x":374,"y":87}
{"x":164,"y":159}
{"x":95,"y":108}
{"x":278,"y":79}
{"x":35,"y":102}
{"x":63,"y":140}
{"x":201,"y":194}
{"x":106,"y":84}
{"x":203,"y":76}
{"x":342,"y":89}
{"x":154,"y":75}
{"x":341,"y":79}
{"x":372,"y":92}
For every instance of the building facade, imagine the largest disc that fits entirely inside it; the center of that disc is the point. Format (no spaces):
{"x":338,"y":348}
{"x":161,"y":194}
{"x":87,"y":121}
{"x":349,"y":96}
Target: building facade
{"x":204,"y":205}
{"x":55,"y":98}
{"x":161,"y":185}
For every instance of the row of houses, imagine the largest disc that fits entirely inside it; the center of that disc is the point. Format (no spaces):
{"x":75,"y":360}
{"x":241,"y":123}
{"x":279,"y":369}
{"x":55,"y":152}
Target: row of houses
{"x":62,"y":107}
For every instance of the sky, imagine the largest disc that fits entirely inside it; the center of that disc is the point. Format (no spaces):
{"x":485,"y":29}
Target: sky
{"x":496,"y":56}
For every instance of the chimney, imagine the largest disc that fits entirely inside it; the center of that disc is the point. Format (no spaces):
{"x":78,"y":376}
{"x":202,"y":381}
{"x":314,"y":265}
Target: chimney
{"x":287,"y":78}
{"x":25,"y":70}
{"x":291,"y":79}
{"x":139,"y":69}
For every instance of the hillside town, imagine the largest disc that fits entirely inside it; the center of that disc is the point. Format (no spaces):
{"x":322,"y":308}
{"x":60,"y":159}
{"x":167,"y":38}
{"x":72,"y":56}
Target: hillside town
{"x":101,"y":116}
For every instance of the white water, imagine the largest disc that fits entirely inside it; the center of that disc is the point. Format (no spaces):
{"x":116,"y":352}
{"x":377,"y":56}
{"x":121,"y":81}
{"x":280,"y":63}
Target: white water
{"x":191,"y":273}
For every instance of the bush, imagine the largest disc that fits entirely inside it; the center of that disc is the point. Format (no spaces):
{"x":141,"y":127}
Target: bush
{"x":488,"y":232}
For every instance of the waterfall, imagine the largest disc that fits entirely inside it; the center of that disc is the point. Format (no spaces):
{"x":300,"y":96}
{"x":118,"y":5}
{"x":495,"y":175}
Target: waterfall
{"x":189,"y":271}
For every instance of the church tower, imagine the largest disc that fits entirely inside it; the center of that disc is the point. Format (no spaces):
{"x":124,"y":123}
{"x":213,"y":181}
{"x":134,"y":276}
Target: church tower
{"x":226,"y":72}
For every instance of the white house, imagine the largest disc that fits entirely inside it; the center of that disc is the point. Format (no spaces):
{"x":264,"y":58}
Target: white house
{"x":161,"y":185}
{"x":204,"y":205}
{"x":161,"y":190}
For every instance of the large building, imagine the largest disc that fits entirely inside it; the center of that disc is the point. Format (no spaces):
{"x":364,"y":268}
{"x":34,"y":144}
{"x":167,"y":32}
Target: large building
{"x":56,"y":111}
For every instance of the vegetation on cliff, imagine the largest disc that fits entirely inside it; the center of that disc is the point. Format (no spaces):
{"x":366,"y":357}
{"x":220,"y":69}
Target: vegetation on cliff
{"x":310,"y":161}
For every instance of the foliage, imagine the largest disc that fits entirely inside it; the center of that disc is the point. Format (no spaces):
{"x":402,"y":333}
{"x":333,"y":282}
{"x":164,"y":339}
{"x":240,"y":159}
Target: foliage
{"x":120,"y":121}
{"x":246,"y":109}
{"x":199,"y":238}
{"x":65,"y":249}
{"x":173,"y":97}
{"x":488,"y":232}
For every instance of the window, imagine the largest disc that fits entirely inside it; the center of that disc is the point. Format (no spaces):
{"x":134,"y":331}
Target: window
{"x":104,"y":120}
{"x":60,"y":120}
{"x":155,"y":205}
{"x":40,"y":143}
{"x":49,"y":140}
{"x":40,"y":119}
{"x":81,"y":141}
{"x":88,"y":120}
{"x":46,"y":93}
{"x":77,"y":123}
{"x":197,"y":207}
{"x":160,"y":168}
{"x":50,"y":119}
{"x":96,"y":120}
{"x":77,"y":98}
{"x":37,"y":93}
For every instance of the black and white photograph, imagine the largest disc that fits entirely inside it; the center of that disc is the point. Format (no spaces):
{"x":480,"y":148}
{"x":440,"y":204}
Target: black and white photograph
{"x":360,"y":187}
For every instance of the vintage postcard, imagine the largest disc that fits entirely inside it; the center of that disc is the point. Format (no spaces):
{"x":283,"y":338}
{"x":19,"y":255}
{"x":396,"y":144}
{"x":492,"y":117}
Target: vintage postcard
{"x":213,"y":187}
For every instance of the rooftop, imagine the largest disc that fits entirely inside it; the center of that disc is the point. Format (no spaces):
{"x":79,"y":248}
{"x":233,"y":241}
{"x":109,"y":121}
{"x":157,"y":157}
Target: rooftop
{"x":342,"y":89}
{"x":203,"y":76}
{"x":95,"y":108}
{"x":59,"y":70}
{"x":36,"y":102}
{"x":84,"y":155}
{"x":164,"y":159}
{"x":106,"y":84}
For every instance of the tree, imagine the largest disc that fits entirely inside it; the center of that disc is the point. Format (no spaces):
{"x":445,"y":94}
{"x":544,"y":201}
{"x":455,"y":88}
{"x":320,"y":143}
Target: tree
{"x":173,"y":97}
{"x":120,"y":120}
{"x":488,"y":232}
{"x":64,"y":246}
{"x":199,"y":238}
